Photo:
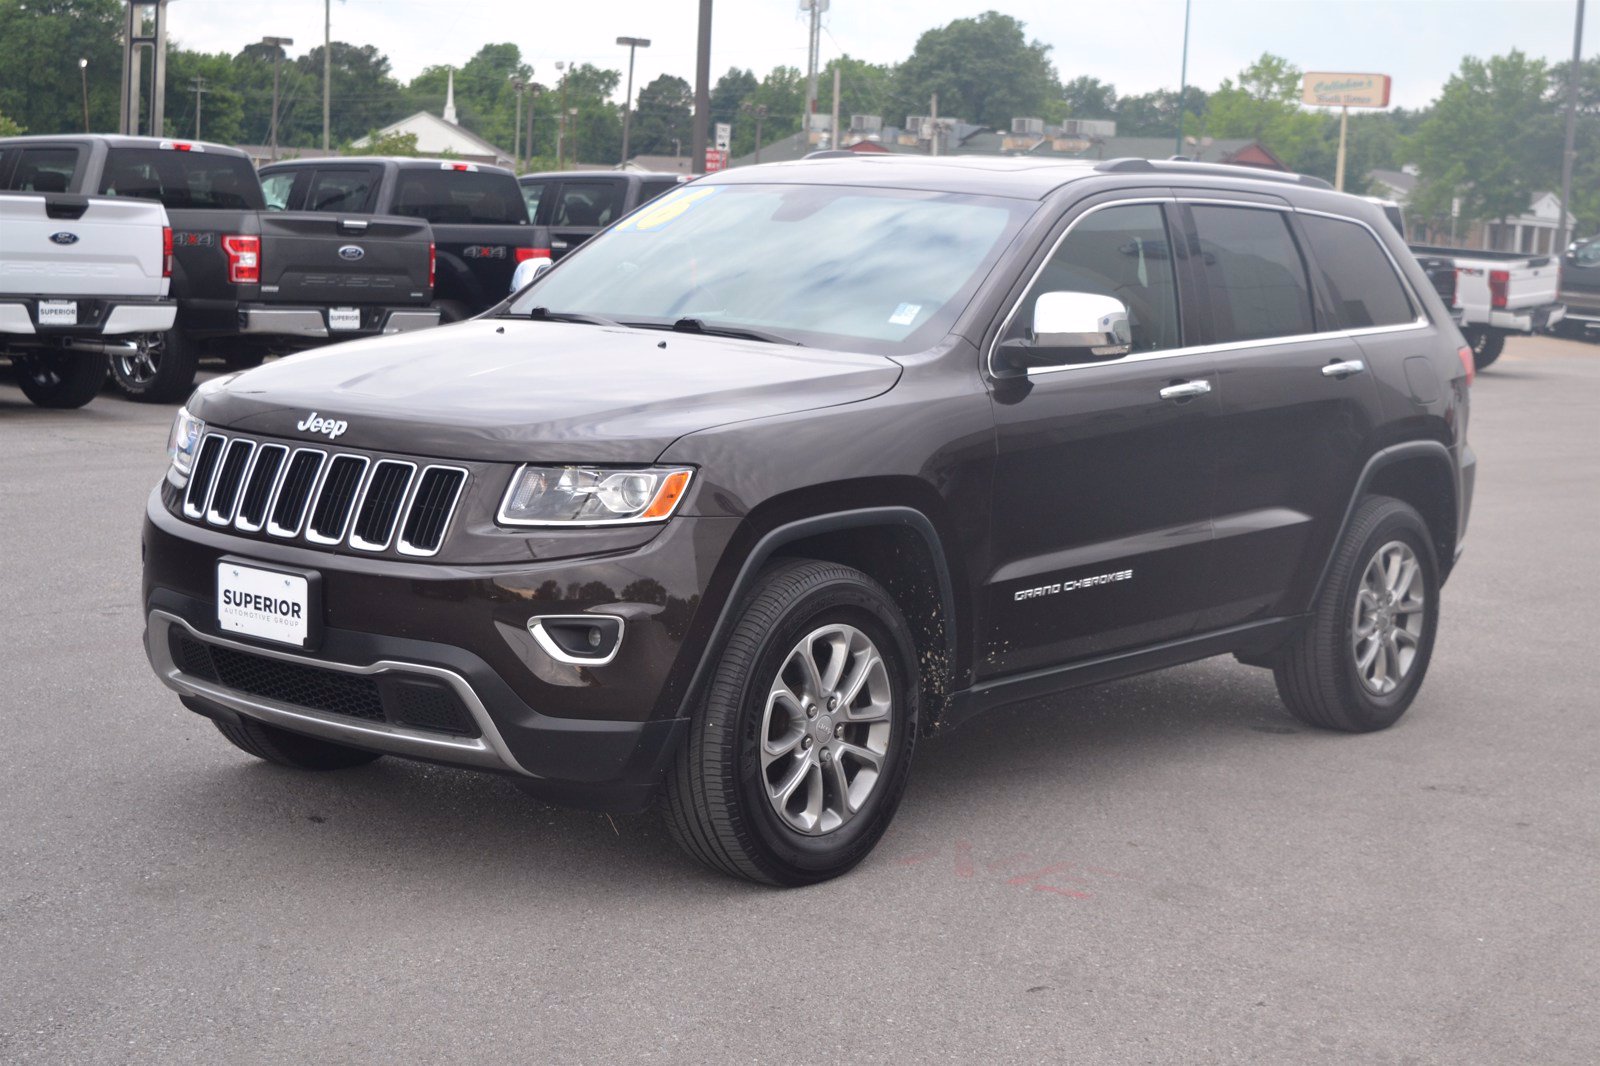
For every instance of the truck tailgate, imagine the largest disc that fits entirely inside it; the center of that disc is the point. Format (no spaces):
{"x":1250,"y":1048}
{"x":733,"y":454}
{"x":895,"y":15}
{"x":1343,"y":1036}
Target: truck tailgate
{"x":325,"y":260}
{"x":56,"y":244}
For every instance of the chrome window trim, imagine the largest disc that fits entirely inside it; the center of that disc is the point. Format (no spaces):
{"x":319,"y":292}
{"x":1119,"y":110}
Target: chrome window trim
{"x":548,"y":645}
{"x":275,"y":530}
{"x":272,"y":490}
{"x":311,"y":535}
{"x":400,"y":544}
{"x":205,"y":505}
{"x":556,"y":523}
{"x":213,"y":516}
{"x":488,"y":750}
{"x":356,"y":541}
{"x":1421,"y":322}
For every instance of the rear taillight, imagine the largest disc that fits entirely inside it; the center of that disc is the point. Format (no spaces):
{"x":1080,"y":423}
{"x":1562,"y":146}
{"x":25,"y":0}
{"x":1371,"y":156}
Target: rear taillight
{"x":166,"y":251}
{"x":244,"y":259}
{"x":525,"y":254}
{"x":433,"y":263}
{"x":1499,"y":283}
{"x":1465,"y":355}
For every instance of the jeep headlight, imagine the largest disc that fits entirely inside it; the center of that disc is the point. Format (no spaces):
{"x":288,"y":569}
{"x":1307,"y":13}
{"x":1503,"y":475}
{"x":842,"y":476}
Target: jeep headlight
{"x":182,"y":445}
{"x":592,"y":496}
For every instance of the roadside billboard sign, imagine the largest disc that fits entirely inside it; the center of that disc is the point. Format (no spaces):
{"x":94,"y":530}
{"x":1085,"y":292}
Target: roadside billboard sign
{"x":1326,"y":89}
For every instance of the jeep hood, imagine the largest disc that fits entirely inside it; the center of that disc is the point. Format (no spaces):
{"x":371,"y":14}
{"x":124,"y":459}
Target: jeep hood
{"x":516,"y":391}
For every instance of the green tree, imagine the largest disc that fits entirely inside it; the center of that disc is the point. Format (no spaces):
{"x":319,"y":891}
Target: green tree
{"x":665,"y":117}
{"x":1264,"y":105}
{"x":1483,"y":143}
{"x":1155,"y":114}
{"x":9,"y":128}
{"x":1087,"y":97}
{"x":864,"y":89}
{"x":365,"y":94}
{"x":221,"y":106}
{"x":731,"y":91}
{"x":984,"y":69}
{"x":400,"y":144}
{"x":41,"y":41}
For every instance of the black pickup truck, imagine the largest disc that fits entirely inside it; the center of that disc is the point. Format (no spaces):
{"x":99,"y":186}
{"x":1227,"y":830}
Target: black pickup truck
{"x":480,"y":226}
{"x":246,"y":283}
{"x":575,"y":205}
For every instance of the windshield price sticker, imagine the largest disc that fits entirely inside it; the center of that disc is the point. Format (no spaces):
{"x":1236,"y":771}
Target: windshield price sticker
{"x":667,"y":209}
{"x":263,"y":603}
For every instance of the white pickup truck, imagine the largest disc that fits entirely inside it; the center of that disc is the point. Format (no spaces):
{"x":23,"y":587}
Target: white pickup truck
{"x":81,"y":278}
{"x":1501,"y":293}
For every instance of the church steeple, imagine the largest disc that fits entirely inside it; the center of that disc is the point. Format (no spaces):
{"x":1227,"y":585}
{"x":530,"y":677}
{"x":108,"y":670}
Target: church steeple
{"x":450,"y":101}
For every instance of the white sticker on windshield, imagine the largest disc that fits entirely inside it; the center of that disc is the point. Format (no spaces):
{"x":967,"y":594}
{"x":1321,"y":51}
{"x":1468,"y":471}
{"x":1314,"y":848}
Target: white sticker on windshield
{"x":905,"y":314}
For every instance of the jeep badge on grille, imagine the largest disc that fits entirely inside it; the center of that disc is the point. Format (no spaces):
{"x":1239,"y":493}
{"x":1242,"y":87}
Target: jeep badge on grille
{"x":313,"y":424}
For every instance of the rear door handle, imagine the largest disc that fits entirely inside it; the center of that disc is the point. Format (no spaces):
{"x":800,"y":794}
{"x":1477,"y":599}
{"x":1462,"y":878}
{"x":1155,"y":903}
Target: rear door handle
{"x":1339,"y":370}
{"x":1185,"y":389}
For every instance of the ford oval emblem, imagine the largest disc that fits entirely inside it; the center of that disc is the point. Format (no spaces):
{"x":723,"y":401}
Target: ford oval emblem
{"x":350,"y":253}
{"x":64,"y":238}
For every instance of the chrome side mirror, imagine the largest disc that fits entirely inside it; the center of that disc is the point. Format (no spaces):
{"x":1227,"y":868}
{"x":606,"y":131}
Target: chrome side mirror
{"x":1072,"y":327}
{"x":527,"y":271}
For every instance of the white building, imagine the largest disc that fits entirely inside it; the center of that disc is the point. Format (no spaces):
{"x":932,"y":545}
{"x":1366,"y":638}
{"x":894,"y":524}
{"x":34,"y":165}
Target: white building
{"x":441,"y":136}
{"x":1533,"y":232}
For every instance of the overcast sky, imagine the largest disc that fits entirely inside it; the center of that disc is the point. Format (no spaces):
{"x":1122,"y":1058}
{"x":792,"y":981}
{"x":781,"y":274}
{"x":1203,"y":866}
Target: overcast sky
{"x":1134,"y":44}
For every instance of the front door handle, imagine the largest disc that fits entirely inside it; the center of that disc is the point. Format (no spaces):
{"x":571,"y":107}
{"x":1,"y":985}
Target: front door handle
{"x":1185,"y":389}
{"x":1339,"y":370}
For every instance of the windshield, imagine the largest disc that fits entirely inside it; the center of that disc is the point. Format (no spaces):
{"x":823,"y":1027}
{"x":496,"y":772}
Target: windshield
{"x":881,"y":270}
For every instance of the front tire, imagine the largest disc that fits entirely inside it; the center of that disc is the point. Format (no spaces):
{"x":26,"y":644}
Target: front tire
{"x":60,"y":380}
{"x":159,"y":369}
{"x":798,"y":757}
{"x":1359,"y":661}
{"x":283,"y":748}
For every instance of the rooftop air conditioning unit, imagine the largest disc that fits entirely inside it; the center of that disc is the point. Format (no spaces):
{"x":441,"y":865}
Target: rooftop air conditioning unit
{"x":866,"y":123}
{"x":914,"y":123}
{"x":1028,"y":126}
{"x":1088,"y":127}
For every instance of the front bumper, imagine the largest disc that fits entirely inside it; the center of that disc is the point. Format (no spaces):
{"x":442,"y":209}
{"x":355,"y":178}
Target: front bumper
{"x":313,"y":323}
{"x":598,"y":737}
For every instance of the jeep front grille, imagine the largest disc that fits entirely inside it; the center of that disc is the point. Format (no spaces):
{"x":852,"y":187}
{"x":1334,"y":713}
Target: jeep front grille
{"x":324,"y":498}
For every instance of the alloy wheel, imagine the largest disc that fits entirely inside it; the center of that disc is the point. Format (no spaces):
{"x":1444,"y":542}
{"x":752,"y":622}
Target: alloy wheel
{"x":139,"y":366}
{"x":1388,"y":618}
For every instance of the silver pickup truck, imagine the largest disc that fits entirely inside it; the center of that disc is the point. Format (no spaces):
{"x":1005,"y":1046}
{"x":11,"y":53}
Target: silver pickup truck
{"x":81,"y":277}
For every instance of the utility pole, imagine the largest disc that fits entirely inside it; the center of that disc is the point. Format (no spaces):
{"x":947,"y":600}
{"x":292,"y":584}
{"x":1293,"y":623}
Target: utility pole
{"x":200,"y":90}
{"x":759,"y":112}
{"x":1344,"y":131}
{"x":702,"y":92}
{"x":1572,"y":129}
{"x":813,"y":53}
{"x":517,"y":85}
{"x":632,"y":43}
{"x":83,"y":72}
{"x":1183,"y":82}
{"x":277,"y":45}
{"x":933,"y":123}
{"x":835,"y":141}
{"x":327,"y":73}
{"x":561,"y":119}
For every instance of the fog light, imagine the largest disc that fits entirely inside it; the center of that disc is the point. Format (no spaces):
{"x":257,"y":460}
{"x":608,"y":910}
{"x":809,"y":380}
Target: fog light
{"x":578,"y":639}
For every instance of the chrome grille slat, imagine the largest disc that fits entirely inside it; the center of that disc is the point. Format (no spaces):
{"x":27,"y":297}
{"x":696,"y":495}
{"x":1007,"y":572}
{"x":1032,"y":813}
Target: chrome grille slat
{"x":260,"y":484}
{"x":431,"y":508}
{"x":378,"y":510}
{"x":198,"y":493}
{"x":323,"y":497}
{"x":293,"y":500}
{"x":330,"y":515}
{"x":229,"y":481}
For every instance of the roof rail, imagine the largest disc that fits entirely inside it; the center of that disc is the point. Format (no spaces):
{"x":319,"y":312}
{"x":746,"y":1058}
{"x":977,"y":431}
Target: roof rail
{"x":832,"y":153}
{"x":1132,"y":164}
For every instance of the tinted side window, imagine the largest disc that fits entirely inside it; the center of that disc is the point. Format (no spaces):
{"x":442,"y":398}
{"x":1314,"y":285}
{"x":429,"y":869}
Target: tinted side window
{"x":1251,"y":274}
{"x":459,"y":196}
{"x":277,"y":188}
{"x":44,"y":170}
{"x":650,"y":188}
{"x":1359,"y":277}
{"x":342,"y":190}
{"x":1122,"y":252}
{"x":587,"y":203}
{"x":8,"y":159}
{"x":532,"y":193}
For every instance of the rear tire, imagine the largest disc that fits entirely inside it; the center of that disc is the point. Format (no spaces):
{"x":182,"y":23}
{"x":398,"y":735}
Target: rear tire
{"x":160,"y":370}
{"x":798,"y":757}
{"x":1486,"y":346}
{"x":283,"y":748}
{"x":1361,"y":657}
{"x":60,"y":380}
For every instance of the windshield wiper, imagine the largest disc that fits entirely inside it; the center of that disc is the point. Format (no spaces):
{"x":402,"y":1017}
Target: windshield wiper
{"x":544,"y":314}
{"x":698,"y":325}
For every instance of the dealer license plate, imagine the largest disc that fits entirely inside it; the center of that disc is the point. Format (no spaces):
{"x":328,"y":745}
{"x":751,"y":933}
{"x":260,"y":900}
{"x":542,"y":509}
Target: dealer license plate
{"x":344,"y":318}
{"x":266,"y":604}
{"x":58,"y":312}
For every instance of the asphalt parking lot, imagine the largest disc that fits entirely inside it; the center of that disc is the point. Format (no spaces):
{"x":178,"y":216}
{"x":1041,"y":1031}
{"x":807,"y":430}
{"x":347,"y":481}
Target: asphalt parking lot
{"x":1167,"y":869}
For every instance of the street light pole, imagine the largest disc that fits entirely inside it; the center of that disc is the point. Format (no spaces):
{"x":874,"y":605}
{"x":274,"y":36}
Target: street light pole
{"x":83,"y":71}
{"x":1183,"y":82}
{"x":277,"y":44}
{"x":632,"y":43}
{"x":327,"y":72}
